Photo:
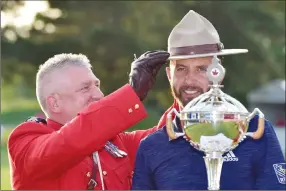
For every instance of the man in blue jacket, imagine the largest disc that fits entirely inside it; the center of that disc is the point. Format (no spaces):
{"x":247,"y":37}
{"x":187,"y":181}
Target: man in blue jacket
{"x":166,"y":164}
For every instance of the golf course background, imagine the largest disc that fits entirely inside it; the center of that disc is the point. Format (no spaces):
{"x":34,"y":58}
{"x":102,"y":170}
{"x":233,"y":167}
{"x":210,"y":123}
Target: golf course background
{"x":110,"y":33}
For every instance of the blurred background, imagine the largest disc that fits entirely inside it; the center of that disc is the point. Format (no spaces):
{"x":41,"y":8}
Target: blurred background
{"x":111,"y":32}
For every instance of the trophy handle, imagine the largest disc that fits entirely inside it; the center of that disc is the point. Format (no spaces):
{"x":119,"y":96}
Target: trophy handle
{"x":260,"y":127}
{"x":169,"y":124}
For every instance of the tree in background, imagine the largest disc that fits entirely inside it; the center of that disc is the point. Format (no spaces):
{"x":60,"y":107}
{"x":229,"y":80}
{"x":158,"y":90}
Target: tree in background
{"x":111,"y":32}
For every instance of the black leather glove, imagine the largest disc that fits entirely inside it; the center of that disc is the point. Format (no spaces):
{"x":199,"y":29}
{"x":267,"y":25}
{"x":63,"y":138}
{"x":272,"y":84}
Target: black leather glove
{"x":144,"y":70}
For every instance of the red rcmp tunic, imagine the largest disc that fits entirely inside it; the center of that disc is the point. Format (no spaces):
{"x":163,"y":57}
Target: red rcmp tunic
{"x":55,"y":157}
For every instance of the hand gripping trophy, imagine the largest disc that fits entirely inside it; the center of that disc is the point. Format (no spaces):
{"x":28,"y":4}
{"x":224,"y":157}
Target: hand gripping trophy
{"x":215,"y":123}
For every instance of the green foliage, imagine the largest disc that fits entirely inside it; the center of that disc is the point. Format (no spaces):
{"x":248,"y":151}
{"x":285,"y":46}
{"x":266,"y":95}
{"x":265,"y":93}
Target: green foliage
{"x":5,"y":171}
{"x":149,"y":122}
{"x":18,"y":116}
{"x":17,"y":98}
{"x":110,"y":33}
{"x":8,"y":4}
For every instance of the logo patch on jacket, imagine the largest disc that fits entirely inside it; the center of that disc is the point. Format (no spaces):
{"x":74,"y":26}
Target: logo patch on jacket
{"x":230,"y":157}
{"x":280,"y":171}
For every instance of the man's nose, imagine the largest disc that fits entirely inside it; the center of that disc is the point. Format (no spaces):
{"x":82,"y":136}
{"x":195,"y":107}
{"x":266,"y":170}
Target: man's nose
{"x":97,"y":93}
{"x":191,"y":78}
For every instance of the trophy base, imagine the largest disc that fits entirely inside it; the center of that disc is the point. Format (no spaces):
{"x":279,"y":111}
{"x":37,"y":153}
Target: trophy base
{"x":213,"y":162}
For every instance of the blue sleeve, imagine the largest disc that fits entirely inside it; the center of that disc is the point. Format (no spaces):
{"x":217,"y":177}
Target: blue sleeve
{"x":142,"y":177}
{"x":270,"y":168}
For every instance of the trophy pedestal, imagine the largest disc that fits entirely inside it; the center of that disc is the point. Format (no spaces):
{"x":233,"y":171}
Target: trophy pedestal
{"x":213,"y":162}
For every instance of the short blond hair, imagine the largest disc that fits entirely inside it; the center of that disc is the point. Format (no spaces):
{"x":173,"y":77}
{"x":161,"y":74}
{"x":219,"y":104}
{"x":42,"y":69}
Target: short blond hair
{"x":52,"y":65}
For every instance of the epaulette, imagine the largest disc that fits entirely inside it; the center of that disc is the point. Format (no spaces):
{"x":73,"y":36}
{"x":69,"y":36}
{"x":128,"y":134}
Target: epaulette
{"x":37,"y":120}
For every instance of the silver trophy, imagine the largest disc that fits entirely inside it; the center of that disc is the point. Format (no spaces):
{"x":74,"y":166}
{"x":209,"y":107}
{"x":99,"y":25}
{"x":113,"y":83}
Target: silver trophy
{"x":215,"y":123}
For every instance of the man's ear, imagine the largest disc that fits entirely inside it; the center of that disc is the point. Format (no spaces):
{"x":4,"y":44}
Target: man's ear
{"x":168,"y":72}
{"x":168,"y":69}
{"x":53,"y":104}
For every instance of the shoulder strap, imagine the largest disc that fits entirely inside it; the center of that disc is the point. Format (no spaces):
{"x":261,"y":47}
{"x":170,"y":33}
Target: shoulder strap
{"x":92,"y":183}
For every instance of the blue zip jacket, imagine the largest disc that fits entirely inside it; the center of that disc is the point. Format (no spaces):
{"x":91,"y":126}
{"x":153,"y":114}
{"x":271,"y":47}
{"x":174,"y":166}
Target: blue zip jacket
{"x":175,"y":165}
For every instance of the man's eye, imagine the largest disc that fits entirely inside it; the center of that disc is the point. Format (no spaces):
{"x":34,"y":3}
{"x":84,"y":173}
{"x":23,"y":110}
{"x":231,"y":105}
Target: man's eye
{"x":180,"y":69}
{"x":85,"y":88}
{"x":202,"y":69}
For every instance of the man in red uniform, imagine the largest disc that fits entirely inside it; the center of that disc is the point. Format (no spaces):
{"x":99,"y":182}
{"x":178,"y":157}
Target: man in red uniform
{"x":81,"y":145}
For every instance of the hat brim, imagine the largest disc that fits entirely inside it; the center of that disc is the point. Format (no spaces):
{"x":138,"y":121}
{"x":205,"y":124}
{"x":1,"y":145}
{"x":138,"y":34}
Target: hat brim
{"x":220,"y":53}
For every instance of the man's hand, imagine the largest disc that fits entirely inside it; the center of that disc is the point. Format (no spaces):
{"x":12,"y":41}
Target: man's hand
{"x":144,"y":70}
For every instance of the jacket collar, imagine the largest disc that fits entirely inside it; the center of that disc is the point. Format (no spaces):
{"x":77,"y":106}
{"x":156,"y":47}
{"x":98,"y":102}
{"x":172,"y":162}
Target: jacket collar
{"x":162,"y":121}
{"x":53,"y":124}
{"x":176,"y":121}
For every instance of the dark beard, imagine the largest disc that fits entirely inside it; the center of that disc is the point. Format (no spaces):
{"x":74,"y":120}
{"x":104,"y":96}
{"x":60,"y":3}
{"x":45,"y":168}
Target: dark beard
{"x":178,"y":94}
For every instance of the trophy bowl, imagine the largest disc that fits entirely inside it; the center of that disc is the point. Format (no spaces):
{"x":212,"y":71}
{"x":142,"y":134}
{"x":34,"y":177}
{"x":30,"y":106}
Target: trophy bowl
{"x":215,"y":123}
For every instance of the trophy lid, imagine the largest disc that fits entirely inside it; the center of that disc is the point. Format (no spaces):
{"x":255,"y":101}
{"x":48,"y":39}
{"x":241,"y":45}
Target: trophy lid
{"x":215,"y":100}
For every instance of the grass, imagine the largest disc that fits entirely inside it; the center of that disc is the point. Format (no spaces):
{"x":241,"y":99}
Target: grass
{"x":17,"y":98}
{"x":5,"y":171}
{"x":18,"y":104}
{"x":14,"y":118}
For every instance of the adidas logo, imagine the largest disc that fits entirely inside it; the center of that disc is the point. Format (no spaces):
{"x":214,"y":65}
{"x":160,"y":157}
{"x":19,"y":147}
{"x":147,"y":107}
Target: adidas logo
{"x":230,"y":157}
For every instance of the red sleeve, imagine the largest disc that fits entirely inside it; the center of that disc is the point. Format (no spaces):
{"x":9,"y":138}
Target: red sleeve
{"x":131,"y":141}
{"x":38,"y":151}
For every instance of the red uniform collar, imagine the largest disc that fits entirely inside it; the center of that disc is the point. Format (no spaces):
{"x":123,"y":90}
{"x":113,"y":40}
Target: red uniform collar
{"x":162,"y":121}
{"x":53,"y":124}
